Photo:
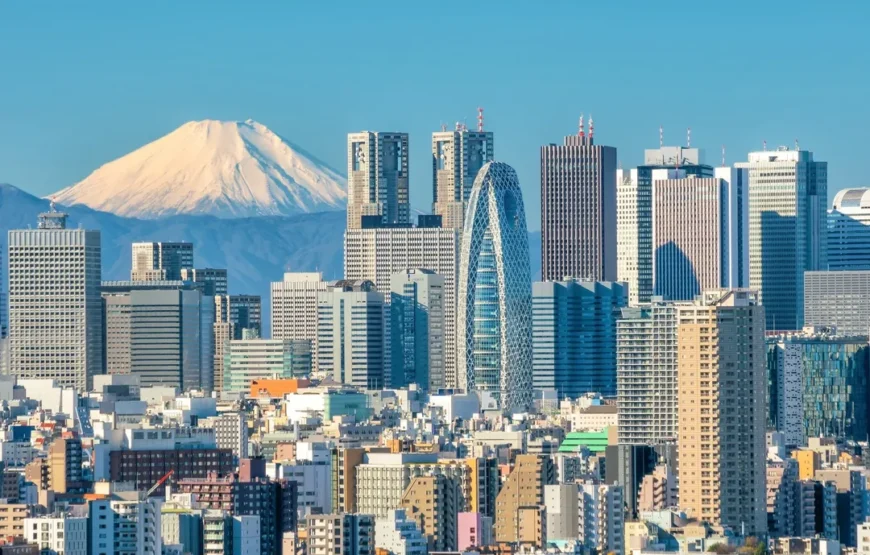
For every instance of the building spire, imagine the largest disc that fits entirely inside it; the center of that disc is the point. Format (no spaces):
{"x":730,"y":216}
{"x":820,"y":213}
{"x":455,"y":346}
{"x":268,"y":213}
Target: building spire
{"x":479,"y":118}
{"x":723,"y":156}
{"x":591,"y":127}
{"x":580,"y":130}
{"x":688,"y":137}
{"x":661,"y":136}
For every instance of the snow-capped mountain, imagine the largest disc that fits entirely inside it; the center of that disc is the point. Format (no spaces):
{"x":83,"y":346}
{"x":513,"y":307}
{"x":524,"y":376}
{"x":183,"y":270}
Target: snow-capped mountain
{"x":218,"y":168}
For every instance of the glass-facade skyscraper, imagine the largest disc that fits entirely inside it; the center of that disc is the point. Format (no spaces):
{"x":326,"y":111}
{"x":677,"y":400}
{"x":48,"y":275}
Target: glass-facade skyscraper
{"x":495,"y":292}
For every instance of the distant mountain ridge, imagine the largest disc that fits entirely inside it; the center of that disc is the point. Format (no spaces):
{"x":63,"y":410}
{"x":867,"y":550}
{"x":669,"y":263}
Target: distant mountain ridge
{"x":225,"y":169}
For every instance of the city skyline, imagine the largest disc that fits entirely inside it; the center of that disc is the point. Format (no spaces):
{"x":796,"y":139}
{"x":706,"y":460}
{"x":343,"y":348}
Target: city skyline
{"x":105,"y":114}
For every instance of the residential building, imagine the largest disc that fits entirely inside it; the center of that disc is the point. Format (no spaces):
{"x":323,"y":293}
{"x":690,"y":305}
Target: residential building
{"x":231,"y":432}
{"x":782,"y":509}
{"x":432,"y":502}
{"x":377,"y":252}
{"x":247,"y":360}
{"x":849,"y":231}
{"x":12,"y":516}
{"x":123,"y":523}
{"x":160,"y":261}
{"x":457,"y":156}
{"x":818,"y":385}
{"x":788,"y":195}
{"x":574,"y":335}
{"x":293,"y":304}
{"x":377,"y":177}
{"x":55,"y":310}
{"x":494,"y":321}
{"x":352,"y":334}
{"x":340,"y":534}
{"x":474,"y":529}
{"x":224,"y":533}
{"x":144,"y":467}
{"x":634,"y":199}
{"x":722,"y":409}
{"x":524,"y":488}
{"x":416,"y":327}
{"x":839,"y":300}
{"x":578,"y":209}
{"x":562,"y":511}
{"x":708,"y":250}
{"x":213,"y":280}
{"x":399,"y":534}
{"x":61,"y":470}
{"x":646,"y":373}
{"x":601,"y":517}
{"x":61,"y":534}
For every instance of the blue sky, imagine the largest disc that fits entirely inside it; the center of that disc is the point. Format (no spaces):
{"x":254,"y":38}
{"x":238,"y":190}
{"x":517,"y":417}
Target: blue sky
{"x":83,"y":83}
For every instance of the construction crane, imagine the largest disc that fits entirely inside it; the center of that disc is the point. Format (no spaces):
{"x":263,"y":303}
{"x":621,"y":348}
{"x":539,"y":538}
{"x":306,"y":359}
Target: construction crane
{"x":158,"y":483}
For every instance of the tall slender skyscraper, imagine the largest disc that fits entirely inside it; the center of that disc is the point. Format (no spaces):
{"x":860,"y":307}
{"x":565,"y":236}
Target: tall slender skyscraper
{"x":788,"y":194}
{"x":55,"y":309}
{"x":495,"y":292}
{"x":417,"y":327}
{"x":377,"y":177}
{"x":457,"y":156}
{"x":634,"y":215}
{"x":723,"y":410}
{"x":578,"y":209}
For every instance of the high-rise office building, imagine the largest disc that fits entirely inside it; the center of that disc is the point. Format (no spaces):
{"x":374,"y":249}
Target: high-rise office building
{"x":377,"y":177}
{"x":457,"y":156}
{"x":55,"y":310}
{"x":838,"y":299}
{"x":818,"y":385}
{"x":849,"y":231}
{"x":214,"y":280}
{"x":162,"y":331}
{"x":578,"y":209}
{"x":224,"y":332}
{"x":353,"y":337}
{"x":246,"y":313}
{"x":722,"y":409}
{"x":708,"y":250}
{"x":378,"y":252}
{"x":634,"y":249}
{"x":788,"y":194}
{"x":160,"y":261}
{"x":416,"y":327}
{"x":574,"y":335}
{"x":646,"y":373}
{"x":293,"y":303}
{"x":246,"y":360}
{"x":494,"y":312}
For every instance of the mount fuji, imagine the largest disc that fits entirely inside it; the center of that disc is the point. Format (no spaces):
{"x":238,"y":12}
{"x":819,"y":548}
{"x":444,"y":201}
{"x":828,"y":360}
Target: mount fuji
{"x":214,"y":168}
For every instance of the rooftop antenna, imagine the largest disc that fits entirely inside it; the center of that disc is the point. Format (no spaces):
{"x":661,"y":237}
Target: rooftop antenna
{"x":458,"y":126}
{"x":479,"y":118}
{"x":443,"y":127}
{"x":581,"y":132}
{"x":765,"y":146}
{"x":591,"y":127}
{"x":688,"y":137}
{"x":723,"y":156}
{"x":796,"y":145}
{"x":661,"y":136}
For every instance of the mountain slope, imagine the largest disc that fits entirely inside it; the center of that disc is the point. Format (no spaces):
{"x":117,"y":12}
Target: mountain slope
{"x":216,"y":168}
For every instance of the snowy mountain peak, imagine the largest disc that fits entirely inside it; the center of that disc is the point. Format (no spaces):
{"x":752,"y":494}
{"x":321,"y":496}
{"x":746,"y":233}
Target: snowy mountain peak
{"x":226,"y":169}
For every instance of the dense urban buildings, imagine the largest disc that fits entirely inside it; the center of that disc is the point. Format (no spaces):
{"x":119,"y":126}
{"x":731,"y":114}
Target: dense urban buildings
{"x":838,"y":299}
{"x":377,"y":177}
{"x":578,"y":209}
{"x":849,"y":231}
{"x":722,"y":409}
{"x":457,"y":156}
{"x":55,"y":314}
{"x":574,"y":335}
{"x":788,"y":192}
{"x":494,"y":320}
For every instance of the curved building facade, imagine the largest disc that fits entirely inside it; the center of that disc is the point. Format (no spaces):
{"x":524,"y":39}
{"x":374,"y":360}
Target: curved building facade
{"x":495,"y":292}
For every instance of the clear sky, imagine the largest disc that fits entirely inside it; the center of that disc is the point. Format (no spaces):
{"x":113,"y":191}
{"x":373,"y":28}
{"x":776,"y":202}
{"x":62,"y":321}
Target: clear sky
{"x":82,"y":83}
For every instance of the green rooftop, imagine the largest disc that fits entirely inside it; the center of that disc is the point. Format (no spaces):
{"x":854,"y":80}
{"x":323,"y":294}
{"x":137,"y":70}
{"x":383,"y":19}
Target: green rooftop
{"x":596,"y":442}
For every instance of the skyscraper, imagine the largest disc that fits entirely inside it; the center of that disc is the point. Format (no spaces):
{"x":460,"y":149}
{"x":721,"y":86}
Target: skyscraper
{"x":294,"y":306}
{"x":634,"y":215}
{"x":352,"y":334}
{"x":214,"y":280}
{"x":578,"y":209}
{"x":849,"y":231}
{"x":788,"y":194}
{"x":377,"y":177}
{"x":574,"y":335}
{"x":722,"y":410}
{"x":246,"y":314}
{"x":707,"y":250}
{"x":55,"y":310}
{"x":417,"y":327}
{"x":160,"y":261}
{"x":494,"y":323}
{"x":457,"y":156}
{"x":377,"y":253}
{"x":838,"y":299}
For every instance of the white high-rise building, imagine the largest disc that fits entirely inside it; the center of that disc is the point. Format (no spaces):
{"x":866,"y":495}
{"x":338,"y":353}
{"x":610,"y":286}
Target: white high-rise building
{"x":788,"y":195}
{"x":376,"y":254}
{"x":377,"y":177}
{"x":399,"y":534}
{"x":55,"y":308}
{"x":457,"y":156}
{"x":294,"y":306}
{"x":353,"y":340}
{"x":601,"y":516}
{"x":160,"y":261}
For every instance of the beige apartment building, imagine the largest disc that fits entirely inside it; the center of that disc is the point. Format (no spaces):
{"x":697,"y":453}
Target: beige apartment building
{"x":722,"y":409}
{"x":520,"y":498}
